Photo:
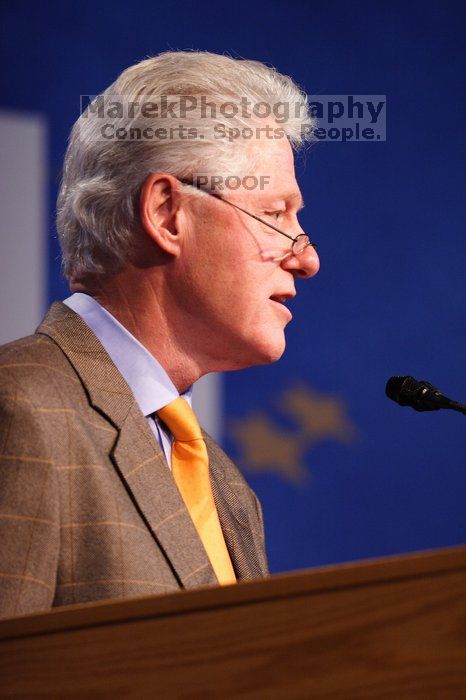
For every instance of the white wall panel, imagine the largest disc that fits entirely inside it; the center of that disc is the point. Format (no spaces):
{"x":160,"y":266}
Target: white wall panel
{"x":23,"y":199}
{"x":208,"y":402}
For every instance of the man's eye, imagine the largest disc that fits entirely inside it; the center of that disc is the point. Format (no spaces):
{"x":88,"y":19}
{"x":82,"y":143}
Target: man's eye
{"x":275,"y":215}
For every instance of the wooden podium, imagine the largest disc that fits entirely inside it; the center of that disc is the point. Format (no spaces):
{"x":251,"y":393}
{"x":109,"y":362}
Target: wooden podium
{"x":391,"y":628}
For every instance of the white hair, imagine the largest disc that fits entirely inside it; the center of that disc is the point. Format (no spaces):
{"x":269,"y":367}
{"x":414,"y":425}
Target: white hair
{"x":97,"y":211}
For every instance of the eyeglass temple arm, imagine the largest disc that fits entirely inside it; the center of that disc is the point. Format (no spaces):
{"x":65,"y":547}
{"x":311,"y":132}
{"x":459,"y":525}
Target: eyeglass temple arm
{"x":254,"y":216}
{"x":257,"y":218}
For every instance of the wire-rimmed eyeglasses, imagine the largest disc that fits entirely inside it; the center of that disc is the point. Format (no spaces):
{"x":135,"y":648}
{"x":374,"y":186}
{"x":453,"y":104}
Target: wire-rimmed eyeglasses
{"x":299,"y":242}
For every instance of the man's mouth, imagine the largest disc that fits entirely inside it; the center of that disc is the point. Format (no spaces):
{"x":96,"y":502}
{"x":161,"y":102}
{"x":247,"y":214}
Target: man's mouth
{"x":280,"y":300}
{"x":282,"y":297}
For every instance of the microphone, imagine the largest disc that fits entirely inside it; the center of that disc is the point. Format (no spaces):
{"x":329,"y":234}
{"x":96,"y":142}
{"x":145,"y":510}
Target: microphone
{"x":421,"y":395}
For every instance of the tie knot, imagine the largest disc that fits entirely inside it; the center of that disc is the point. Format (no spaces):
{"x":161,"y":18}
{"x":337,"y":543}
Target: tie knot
{"x":181,"y":420}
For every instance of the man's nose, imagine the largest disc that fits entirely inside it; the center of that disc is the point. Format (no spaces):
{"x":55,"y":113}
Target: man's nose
{"x":304,"y":265}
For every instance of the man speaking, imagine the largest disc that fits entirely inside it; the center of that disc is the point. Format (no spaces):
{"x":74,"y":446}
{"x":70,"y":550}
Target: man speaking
{"x":177,"y":219}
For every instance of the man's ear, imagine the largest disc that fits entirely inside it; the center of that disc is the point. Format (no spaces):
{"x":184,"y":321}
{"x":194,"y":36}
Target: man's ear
{"x":158,"y":202}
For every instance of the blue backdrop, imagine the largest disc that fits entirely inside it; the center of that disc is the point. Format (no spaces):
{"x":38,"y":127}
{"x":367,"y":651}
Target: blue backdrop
{"x":342,"y":472}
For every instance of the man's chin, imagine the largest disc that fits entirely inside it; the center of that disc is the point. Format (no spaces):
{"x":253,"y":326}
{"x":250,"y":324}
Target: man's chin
{"x":269,"y":351}
{"x":251,"y":352}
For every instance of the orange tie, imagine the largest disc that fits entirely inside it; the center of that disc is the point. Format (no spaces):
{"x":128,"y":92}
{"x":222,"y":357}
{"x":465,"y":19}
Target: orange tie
{"x":190,"y":467}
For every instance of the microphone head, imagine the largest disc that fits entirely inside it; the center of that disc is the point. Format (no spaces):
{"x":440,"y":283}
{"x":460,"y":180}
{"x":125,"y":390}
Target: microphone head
{"x":401,"y":389}
{"x":407,"y":391}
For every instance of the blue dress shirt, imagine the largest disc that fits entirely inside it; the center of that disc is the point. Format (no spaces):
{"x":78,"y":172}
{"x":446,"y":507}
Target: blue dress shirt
{"x":150,"y":384}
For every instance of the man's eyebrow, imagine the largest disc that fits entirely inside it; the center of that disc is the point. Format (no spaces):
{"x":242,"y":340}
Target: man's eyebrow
{"x":299,"y":197}
{"x":289,"y":198}
{"x":301,"y":204}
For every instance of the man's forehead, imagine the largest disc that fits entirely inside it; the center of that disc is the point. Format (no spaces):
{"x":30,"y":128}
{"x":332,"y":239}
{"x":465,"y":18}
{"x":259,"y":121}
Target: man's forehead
{"x":276,"y":165}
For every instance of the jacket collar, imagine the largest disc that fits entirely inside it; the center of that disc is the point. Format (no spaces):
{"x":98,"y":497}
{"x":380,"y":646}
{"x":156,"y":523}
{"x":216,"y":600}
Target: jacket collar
{"x":148,"y":381}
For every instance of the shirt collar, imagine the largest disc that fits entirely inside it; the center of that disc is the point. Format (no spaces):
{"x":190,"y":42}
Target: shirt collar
{"x":147,"y":379}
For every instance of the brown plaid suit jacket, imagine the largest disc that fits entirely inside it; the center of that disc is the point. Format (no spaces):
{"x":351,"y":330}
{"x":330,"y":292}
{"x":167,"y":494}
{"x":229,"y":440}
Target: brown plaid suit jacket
{"x":88,"y":507}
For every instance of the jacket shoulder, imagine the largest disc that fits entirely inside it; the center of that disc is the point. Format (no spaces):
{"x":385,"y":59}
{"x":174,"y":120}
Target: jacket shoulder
{"x":34,"y":365}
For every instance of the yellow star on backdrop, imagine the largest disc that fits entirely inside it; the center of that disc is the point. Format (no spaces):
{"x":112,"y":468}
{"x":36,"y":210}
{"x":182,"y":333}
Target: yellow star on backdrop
{"x":266,"y":446}
{"x":318,"y":416}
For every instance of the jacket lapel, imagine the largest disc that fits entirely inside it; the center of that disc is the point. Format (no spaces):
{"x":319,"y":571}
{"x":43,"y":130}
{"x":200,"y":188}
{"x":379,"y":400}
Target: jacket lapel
{"x":143,"y":469}
{"x":240,"y":531}
{"x":136,"y":455}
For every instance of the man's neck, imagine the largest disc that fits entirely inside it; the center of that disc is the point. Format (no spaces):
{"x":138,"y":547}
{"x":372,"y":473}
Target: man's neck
{"x":139,"y":307}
